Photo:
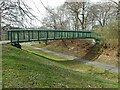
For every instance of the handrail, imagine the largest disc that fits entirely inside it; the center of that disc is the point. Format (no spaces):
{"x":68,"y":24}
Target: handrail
{"x":15,"y":35}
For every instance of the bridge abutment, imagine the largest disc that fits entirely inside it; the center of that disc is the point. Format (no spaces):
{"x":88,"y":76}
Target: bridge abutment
{"x":16,"y":45}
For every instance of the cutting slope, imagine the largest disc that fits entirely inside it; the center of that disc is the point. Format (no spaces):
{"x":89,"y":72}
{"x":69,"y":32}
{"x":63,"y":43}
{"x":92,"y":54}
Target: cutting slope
{"x":24,"y":69}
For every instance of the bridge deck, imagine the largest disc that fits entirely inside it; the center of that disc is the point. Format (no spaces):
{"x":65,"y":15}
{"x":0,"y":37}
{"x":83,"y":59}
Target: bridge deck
{"x":44,"y":35}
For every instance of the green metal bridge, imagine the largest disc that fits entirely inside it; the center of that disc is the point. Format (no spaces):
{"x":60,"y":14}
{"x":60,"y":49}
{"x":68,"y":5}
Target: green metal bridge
{"x":28,"y":35}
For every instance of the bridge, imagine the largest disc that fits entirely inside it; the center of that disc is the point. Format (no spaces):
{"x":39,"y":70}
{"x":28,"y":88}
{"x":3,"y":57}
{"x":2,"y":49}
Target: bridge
{"x":29,"y":35}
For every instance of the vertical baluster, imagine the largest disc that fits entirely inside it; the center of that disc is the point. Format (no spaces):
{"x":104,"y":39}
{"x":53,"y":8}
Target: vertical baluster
{"x":88,"y":35}
{"x":23,"y":35}
{"x":70,"y":35}
{"x":67,"y":34}
{"x":46,"y":35}
{"x":81,"y":34}
{"x":32,"y":34}
{"x":28,"y":35}
{"x":8,"y":34}
{"x":18,"y":36}
{"x":13,"y":33}
{"x":63,"y":35}
{"x":38,"y":35}
{"x":73,"y":35}
{"x":59,"y":34}
{"x":54,"y":34}
{"x":77,"y":34}
{"x":11,"y":37}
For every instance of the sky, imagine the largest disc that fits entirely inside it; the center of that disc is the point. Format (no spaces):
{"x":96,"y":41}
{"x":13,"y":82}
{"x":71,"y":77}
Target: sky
{"x":40,"y":11}
{"x":36,"y":4}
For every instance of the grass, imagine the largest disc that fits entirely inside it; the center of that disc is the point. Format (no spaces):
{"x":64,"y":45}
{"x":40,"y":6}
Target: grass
{"x":59,"y":48}
{"x":0,"y":66}
{"x":93,"y":54}
{"x":77,"y":66}
{"x":43,"y":54}
{"x":108,"y":36}
{"x":25,"y":69}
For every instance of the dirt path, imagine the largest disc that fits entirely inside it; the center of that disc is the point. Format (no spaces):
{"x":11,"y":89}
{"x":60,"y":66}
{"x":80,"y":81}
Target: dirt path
{"x":93,"y":63}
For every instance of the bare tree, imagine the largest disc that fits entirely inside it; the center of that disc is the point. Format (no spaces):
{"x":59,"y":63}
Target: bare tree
{"x":79,"y":15}
{"x":103,"y":12}
{"x":74,"y":8}
{"x":80,"y":12}
{"x":56,"y":20}
{"x":0,"y":26}
{"x":117,"y":4}
{"x":14,"y":13}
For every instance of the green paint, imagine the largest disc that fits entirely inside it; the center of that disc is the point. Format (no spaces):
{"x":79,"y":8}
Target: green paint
{"x":32,"y":35}
{"x":43,"y":35}
{"x":38,"y":35}
{"x":47,"y":35}
{"x":28,"y":35}
{"x":23,"y":34}
{"x":67,"y":34}
{"x":93,"y":41}
{"x":11,"y":36}
{"x":18,"y":37}
{"x":54,"y":34}
{"x":8,"y":35}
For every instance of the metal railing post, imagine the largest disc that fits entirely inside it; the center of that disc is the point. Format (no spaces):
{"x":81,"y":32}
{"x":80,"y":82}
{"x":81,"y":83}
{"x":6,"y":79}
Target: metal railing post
{"x":11,"y":37}
{"x":18,"y":36}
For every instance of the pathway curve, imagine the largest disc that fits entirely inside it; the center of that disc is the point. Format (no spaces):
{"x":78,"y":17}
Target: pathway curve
{"x":93,"y":63}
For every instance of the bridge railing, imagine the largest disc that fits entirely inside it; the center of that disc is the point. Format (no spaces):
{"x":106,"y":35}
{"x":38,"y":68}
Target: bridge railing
{"x":44,"y":35}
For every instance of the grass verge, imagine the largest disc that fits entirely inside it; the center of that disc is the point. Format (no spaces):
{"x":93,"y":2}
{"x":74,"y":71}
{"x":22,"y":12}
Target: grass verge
{"x":24,"y":69}
{"x":77,"y":66}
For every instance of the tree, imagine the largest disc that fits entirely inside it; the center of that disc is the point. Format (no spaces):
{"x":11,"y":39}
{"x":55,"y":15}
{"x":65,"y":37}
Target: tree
{"x":80,"y":12}
{"x":56,"y":18}
{"x":74,"y":8}
{"x":14,"y":13}
{"x":103,"y":12}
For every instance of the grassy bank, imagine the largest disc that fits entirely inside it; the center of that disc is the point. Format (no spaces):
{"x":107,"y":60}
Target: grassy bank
{"x":105,"y":52}
{"x":96,"y":53}
{"x":25,"y":69}
{"x":109,"y":42}
{"x":77,"y":66}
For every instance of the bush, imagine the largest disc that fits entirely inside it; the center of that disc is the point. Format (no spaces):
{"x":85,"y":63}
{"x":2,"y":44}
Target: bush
{"x":108,"y":34}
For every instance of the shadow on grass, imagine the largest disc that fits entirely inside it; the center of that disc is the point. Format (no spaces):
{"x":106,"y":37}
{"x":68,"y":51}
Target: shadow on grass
{"x":84,"y":59}
{"x":68,"y":62}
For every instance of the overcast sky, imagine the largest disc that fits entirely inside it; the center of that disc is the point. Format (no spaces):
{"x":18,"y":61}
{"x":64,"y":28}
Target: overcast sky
{"x":39,"y":10}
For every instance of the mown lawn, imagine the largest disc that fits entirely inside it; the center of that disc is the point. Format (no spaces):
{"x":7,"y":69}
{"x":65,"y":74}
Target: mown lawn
{"x":25,"y":69}
{"x":76,"y":65}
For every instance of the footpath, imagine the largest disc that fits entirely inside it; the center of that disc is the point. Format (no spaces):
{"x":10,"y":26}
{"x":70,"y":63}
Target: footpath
{"x":93,"y":63}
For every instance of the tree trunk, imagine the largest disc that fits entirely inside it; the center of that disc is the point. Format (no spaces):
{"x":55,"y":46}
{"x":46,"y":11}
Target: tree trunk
{"x":118,"y":16}
{"x":83,"y":16}
{"x":55,"y":25}
{"x":76,"y":22}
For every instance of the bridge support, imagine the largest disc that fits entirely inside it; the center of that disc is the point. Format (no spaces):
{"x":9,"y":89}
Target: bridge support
{"x":16,"y":44}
